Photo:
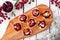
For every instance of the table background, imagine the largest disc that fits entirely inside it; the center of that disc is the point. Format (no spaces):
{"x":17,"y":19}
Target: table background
{"x":50,"y":34}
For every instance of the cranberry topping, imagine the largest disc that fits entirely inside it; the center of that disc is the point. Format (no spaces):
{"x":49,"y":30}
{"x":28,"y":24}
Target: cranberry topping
{"x":7,"y":6}
{"x":23,"y":18}
{"x":32,"y":22}
{"x":17,"y":26}
{"x":46,"y":14}
{"x":42,"y":24}
{"x":27,"y":32}
{"x":35,"y":12}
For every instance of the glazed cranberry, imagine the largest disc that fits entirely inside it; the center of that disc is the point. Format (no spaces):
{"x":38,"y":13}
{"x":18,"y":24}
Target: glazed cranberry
{"x":46,"y":14}
{"x":17,"y":26}
{"x":19,"y":5}
{"x":7,"y":6}
{"x":24,"y":1}
{"x":26,"y":32}
{"x":23,"y":18}
{"x":42,"y":24}
{"x":35,"y":12}
{"x":32,"y":22}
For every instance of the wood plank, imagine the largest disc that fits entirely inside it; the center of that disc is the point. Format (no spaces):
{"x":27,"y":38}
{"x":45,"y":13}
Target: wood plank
{"x":29,"y":6}
{"x":34,"y":36}
{"x":26,"y":8}
{"x":55,"y":15}
{"x":53,"y":29}
{"x":43,"y":34}
{"x":46,"y":2}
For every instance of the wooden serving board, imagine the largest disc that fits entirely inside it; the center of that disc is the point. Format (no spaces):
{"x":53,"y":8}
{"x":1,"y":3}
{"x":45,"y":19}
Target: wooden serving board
{"x":11,"y":34}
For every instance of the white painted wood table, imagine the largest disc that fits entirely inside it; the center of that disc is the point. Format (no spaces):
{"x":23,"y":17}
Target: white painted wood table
{"x":50,"y":34}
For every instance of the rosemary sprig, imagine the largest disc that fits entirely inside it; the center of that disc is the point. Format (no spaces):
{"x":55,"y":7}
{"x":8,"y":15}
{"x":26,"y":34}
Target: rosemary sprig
{"x":16,"y":2}
{"x":13,"y":14}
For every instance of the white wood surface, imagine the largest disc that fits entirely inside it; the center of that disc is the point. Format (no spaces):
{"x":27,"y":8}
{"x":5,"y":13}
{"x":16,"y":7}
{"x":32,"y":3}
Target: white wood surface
{"x":46,"y":35}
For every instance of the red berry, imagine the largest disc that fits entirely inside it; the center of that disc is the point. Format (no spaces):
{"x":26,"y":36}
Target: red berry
{"x":59,"y":7}
{"x":1,"y":14}
{"x":19,"y":5}
{"x":0,"y":8}
{"x":31,"y":22}
{"x":4,"y":17}
{"x":17,"y":26}
{"x":8,"y":17}
{"x":56,"y":3}
{"x":5,"y":13}
{"x":52,"y":1}
{"x":24,"y":1}
{"x":1,"y":21}
{"x":7,"y":6}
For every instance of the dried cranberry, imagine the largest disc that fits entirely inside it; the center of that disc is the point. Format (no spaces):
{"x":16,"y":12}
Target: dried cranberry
{"x":23,"y":18}
{"x":35,"y":12}
{"x":19,"y":5}
{"x":55,"y":1}
{"x":2,"y":15}
{"x":1,"y":21}
{"x":24,"y":1}
{"x":30,"y":2}
{"x":52,"y":1}
{"x":17,"y":26}
{"x":46,"y":14}
{"x":42,"y":24}
{"x":5,"y":13}
{"x":59,"y":7}
{"x":32,"y":22}
{"x":1,"y":8}
{"x":27,"y":32}
{"x":7,"y":6}
{"x":9,"y":18}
